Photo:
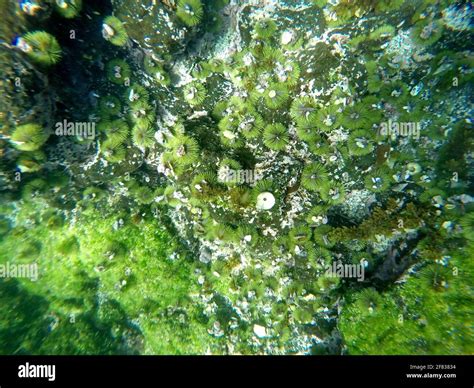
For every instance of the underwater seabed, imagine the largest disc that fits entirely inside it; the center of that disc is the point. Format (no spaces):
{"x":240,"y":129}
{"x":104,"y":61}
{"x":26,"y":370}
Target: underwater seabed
{"x":234,"y":177}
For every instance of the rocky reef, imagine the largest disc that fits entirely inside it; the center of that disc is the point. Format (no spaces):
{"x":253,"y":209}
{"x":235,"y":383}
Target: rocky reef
{"x":188,"y":176}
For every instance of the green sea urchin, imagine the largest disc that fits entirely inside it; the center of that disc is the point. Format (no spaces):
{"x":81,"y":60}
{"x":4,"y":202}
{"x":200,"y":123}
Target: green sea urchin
{"x":194,"y":93}
{"x":314,"y":176}
{"x":377,"y":181}
{"x":190,"y":12}
{"x":44,"y":49}
{"x":143,"y":136}
{"x":360,"y":143}
{"x":276,"y":95}
{"x":113,"y":150}
{"x":332,"y":192}
{"x":275,"y":137}
{"x":265,"y":28}
{"x":142,"y":113}
{"x":184,"y":150}
{"x":109,"y":106}
{"x":114,"y":31}
{"x":118,"y":71}
{"x":29,"y":137}
{"x":116,"y":130}
{"x":68,"y":8}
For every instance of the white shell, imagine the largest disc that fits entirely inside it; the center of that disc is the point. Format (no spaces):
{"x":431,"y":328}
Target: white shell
{"x":229,"y":135}
{"x":107,"y":31}
{"x":265,"y":201}
{"x":260,"y":331}
{"x":62,"y":4}
{"x":286,"y":37}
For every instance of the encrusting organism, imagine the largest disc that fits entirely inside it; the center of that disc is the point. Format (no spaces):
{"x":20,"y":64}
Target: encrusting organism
{"x":114,"y":31}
